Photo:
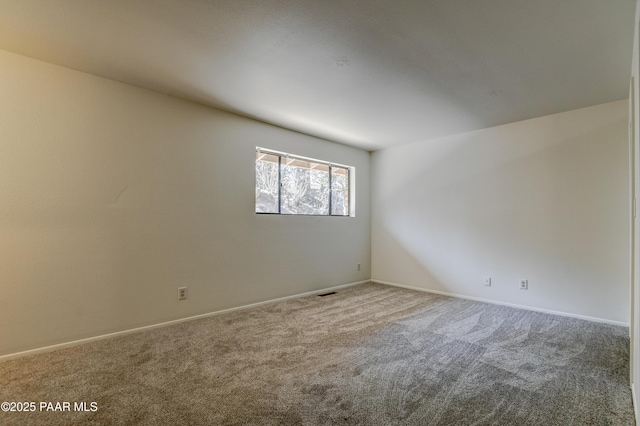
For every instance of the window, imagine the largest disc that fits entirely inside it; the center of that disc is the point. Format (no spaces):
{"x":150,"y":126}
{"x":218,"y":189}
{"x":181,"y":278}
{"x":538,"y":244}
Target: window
{"x":289,"y":184}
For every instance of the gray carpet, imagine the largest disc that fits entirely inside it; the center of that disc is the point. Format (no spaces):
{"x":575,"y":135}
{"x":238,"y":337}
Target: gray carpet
{"x":368,"y":355}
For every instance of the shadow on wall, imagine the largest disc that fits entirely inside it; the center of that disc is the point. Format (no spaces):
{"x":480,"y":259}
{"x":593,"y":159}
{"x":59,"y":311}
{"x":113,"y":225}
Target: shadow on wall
{"x":553,"y":212}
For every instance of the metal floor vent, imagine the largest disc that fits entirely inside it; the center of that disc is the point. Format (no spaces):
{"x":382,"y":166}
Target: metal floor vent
{"x":327,"y":294}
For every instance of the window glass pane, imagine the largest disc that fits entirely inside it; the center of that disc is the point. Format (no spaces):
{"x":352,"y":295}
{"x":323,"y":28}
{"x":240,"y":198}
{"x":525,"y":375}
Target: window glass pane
{"x":266,"y":183}
{"x":339,"y":191}
{"x":305,"y":187}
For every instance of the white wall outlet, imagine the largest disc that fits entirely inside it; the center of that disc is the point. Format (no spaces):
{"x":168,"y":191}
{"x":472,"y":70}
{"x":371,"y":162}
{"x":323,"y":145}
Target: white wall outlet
{"x":524,"y":284}
{"x":358,"y":266}
{"x":183,"y":293}
{"x":487,"y":281}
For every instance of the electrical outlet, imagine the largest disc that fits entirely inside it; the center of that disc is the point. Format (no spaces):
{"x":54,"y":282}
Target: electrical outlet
{"x":183,"y":293}
{"x":358,"y":266}
{"x":487,"y":281}
{"x":524,"y":284}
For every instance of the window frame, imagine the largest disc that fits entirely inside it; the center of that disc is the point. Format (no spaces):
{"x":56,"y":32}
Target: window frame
{"x":331,"y":165}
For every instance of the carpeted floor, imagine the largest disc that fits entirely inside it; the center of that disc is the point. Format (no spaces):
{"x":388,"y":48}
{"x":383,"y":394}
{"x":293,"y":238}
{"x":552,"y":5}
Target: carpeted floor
{"x":367,"y":355}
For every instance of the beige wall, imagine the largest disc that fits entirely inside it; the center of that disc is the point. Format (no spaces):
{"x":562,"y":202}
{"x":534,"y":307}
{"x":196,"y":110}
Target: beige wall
{"x":634,"y":149}
{"x":112,"y":197}
{"x":543,"y":199}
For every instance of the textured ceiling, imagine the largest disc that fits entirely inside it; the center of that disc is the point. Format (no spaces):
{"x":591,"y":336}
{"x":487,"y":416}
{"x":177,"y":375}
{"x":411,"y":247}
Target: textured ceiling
{"x":367,"y":73}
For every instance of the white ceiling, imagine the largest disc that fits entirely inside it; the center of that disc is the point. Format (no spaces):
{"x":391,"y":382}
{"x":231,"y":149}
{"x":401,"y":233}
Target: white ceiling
{"x":367,"y":73}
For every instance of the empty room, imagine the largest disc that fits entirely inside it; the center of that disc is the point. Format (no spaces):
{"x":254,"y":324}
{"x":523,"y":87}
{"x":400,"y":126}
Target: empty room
{"x":278,"y":212}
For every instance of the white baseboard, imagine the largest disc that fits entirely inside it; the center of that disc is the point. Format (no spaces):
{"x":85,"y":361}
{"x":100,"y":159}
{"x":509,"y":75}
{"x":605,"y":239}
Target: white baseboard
{"x":495,"y":302}
{"x":167,"y":323}
{"x":634,"y":401}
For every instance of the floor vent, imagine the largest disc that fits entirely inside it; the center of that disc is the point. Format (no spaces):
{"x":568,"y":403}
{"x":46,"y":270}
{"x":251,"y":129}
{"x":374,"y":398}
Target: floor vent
{"x":327,"y":294}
